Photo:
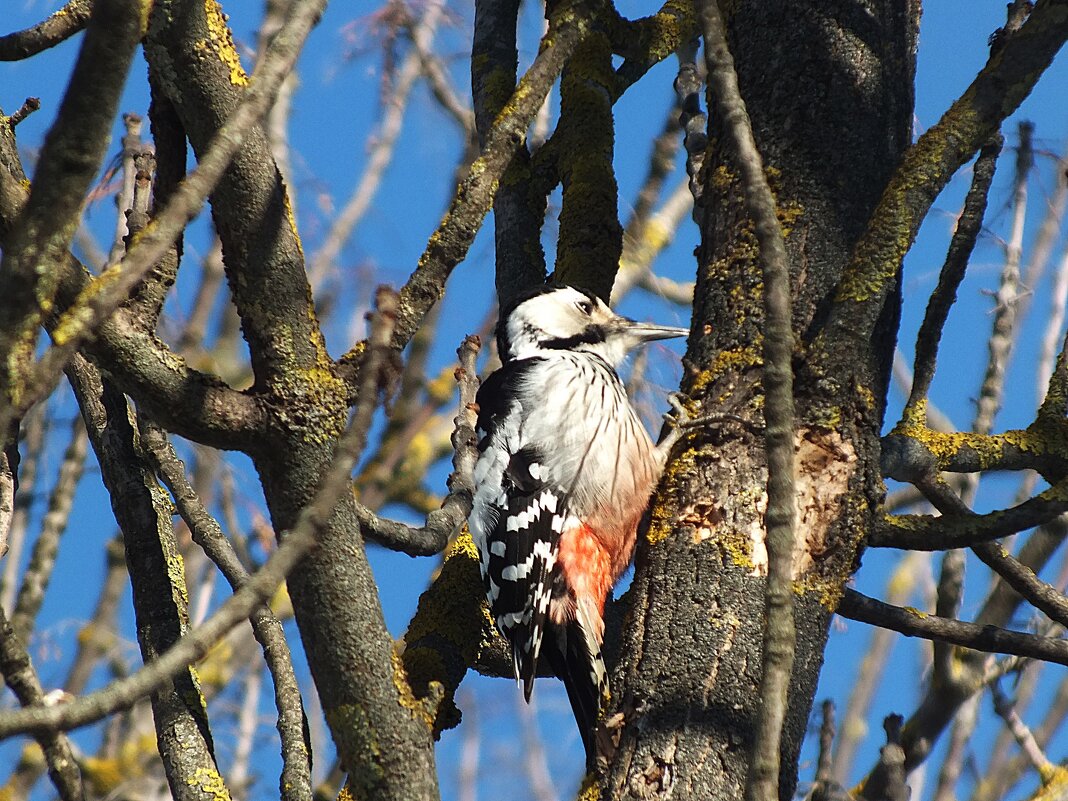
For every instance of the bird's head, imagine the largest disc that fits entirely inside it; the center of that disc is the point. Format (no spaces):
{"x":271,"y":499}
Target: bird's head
{"x":566,"y":318}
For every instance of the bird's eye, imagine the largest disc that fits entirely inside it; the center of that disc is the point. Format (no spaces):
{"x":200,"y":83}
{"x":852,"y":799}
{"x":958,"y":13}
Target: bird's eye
{"x":585,"y":306}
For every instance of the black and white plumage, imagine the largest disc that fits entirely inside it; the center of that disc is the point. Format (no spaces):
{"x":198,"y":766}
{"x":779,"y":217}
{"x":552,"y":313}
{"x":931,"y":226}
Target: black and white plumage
{"x":564,"y":474}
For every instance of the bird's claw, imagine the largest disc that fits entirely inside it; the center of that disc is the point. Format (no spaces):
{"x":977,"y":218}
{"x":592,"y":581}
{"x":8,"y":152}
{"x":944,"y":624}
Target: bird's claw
{"x":678,"y":417}
{"x":677,"y":421}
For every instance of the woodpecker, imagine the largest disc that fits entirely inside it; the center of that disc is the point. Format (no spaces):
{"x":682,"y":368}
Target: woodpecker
{"x":564,"y":474}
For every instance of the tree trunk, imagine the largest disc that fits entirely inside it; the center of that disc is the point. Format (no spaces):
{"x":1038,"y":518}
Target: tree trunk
{"x":689,"y":676}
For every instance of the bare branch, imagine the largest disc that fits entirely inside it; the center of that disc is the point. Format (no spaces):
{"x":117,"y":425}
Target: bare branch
{"x":381,"y":153}
{"x":1041,"y":595}
{"x":474,"y":197}
{"x":826,"y":788}
{"x":649,"y":40}
{"x":889,"y":784}
{"x":17,"y":671}
{"x":927,"y":166}
{"x":442,"y":523}
{"x":960,"y":250}
{"x":929,"y":533}
{"x":157,"y":577}
{"x":195,"y":644}
{"x":43,"y":559}
{"x":1006,"y":710}
{"x":295,"y":781}
{"x":899,"y":587}
{"x":59,"y":27}
{"x":914,"y":623}
{"x":112,"y":288}
{"x":30,"y":105}
{"x":781,"y":516}
{"x":1004,"y":331}
{"x":68,"y":163}
{"x":956,"y":754}
{"x":24,"y":478}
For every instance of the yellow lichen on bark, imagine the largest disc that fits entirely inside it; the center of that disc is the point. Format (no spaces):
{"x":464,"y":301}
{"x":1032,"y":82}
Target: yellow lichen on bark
{"x":221,"y":42}
{"x":453,"y":612}
{"x":590,"y":789}
{"x":210,"y":783}
{"x":421,"y":708}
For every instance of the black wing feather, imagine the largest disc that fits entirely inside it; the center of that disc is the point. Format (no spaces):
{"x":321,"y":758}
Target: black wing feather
{"x":522,"y":544}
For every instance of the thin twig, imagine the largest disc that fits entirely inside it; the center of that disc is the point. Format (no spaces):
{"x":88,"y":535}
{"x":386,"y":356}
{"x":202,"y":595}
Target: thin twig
{"x":890,"y":784}
{"x":960,"y":249}
{"x":131,"y":146}
{"x":636,"y":233}
{"x":899,"y":587}
{"x":925,"y":169}
{"x":642,"y":247}
{"x":1020,"y":577}
{"x":206,"y":532}
{"x":43,"y":559}
{"x":381,"y":153}
{"x":39,"y":242}
{"x":18,"y":672}
{"x":1006,"y":710}
{"x":474,"y":197}
{"x":278,"y":114}
{"x":1004,"y":331}
{"x":826,"y":788}
{"x":81,"y":320}
{"x":247,"y":725}
{"x":930,"y":533}
{"x":1048,"y":232}
{"x":195,"y":644}
{"x":160,"y":599}
{"x":951,"y":579}
{"x":440,"y":84}
{"x":763,"y":779}
{"x":960,"y":738}
{"x":30,"y":105}
{"x":442,"y":523}
{"x":1055,"y":322}
{"x":1002,"y":776}
{"x":35,"y":429}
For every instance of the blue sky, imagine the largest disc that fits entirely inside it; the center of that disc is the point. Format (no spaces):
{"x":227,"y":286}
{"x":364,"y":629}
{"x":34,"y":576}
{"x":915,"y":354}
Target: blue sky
{"x":338,"y":106}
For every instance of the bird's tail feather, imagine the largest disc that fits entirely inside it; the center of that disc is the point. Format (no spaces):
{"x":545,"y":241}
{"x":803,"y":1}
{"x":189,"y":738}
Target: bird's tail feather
{"x":575,"y":656}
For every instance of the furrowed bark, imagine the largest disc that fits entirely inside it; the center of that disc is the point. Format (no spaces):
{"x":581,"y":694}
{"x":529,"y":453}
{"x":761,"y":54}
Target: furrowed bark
{"x":691,"y":653}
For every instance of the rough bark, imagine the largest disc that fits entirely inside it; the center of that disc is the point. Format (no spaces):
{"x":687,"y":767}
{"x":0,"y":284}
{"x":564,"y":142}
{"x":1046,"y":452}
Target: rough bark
{"x":690,"y":675}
